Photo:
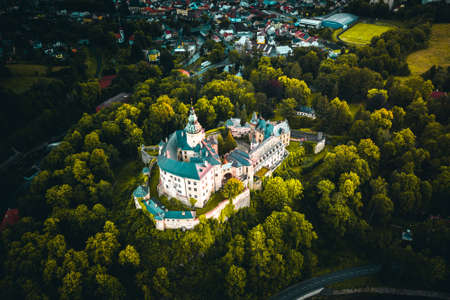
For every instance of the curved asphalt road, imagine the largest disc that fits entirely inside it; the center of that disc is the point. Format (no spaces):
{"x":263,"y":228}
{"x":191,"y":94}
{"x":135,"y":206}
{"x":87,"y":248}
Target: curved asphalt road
{"x":214,"y":66}
{"x":302,"y":288}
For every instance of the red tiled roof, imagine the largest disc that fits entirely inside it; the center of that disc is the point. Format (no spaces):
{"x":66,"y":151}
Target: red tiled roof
{"x":438,"y":94}
{"x":184,"y":72}
{"x":106,"y":81}
{"x":11,"y":218}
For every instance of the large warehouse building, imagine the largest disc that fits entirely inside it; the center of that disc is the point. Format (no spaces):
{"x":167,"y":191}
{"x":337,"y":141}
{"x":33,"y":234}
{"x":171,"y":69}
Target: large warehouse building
{"x":341,"y":20}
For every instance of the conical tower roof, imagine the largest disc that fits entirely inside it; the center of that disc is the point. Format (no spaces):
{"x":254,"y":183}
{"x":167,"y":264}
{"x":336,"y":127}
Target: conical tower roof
{"x":193,"y":126}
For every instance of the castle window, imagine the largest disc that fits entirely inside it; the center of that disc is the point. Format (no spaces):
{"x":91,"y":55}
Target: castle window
{"x":195,"y":189}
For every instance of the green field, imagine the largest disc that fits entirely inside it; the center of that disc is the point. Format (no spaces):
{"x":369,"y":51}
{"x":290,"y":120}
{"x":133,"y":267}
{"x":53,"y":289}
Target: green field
{"x":21,"y":84}
{"x":30,"y":70}
{"x":334,"y":36}
{"x":23,"y":76}
{"x":436,"y":54}
{"x":362,"y":34}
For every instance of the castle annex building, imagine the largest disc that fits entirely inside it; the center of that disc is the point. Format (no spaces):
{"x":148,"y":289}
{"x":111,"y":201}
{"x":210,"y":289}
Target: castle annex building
{"x":190,"y":166}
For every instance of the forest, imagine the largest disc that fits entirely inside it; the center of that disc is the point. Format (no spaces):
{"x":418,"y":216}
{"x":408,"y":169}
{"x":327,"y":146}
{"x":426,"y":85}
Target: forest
{"x":387,"y":166}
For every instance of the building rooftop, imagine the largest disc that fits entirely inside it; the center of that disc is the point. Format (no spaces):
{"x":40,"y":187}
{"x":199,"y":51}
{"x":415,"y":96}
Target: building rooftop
{"x":160,"y":214}
{"x":239,"y":158}
{"x":140,"y":192}
{"x":204,"y":154}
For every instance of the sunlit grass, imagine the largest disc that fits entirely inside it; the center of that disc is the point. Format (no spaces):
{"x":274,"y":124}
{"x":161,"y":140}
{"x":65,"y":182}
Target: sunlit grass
{"x":23,"y":76}
{"x":127,"y":178}
{"x":214,"y":200}
{"x":436,"y":54}
{"x":21,"y":84}
{"x":362,"y":33}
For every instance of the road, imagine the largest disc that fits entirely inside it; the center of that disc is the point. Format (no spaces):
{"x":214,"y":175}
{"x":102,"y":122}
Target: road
{"x":302,"y":288}
{"x":214,"y":66}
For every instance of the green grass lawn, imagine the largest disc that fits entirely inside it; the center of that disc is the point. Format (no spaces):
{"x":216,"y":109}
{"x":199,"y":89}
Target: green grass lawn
{"x":30,"y":69}
{"x":21,"y":84}
{"x":24,"y":76}
{"x":27,"y":70}
{"x":262,"y":172}
{"x":293,"y":146}
{"x":362,"y":33}
{"x":335,"y":34}
{"x":436,"y":54}
{"x":313,"y":159}
{"x":215,"y":199}
{"x":214,"y":130}
{"x":127,"y":179}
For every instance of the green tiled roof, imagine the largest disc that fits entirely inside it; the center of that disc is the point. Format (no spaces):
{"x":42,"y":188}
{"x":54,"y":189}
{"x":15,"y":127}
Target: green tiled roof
{"x":140,"y":192}
{"x":306,"y":109}
{"x":239,"y":158}
{"x":193,"y":126}
{"x":154,"y":209}
{"x":160,"y":214}
{"x":179,"y":168}
{"x":176,"y":214}
{"x":168,"y":160}
{"x":268,"y":131}
{"x":261,"y":124}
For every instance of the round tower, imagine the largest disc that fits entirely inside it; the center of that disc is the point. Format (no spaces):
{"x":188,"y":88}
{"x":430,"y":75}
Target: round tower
{"x":194,"y":131}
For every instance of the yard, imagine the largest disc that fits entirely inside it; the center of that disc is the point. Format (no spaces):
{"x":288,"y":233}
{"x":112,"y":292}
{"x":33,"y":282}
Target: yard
{"x":20,"y":84}
{"x":362,"y":33}
{"x":213,"y":201}
{"x":293,"y":146}
{"x":23,"y":76}
{"x":262,"y":172}
{"x":215,"y":130}
{"x":436,"y":54}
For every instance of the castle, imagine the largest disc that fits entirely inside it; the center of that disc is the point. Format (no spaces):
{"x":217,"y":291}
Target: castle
{"x":190,"y":166}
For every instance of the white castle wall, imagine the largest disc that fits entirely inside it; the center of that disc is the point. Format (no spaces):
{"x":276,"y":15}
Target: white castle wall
{"x":240,"y":201}
{"x":319,"y":146}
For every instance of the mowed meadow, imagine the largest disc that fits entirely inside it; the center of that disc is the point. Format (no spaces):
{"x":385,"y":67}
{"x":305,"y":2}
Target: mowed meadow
{"x":437,"y":52}
{"x":362,"y":33}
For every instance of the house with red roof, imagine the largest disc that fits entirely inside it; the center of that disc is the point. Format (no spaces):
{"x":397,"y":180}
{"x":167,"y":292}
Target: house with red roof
{"x":106,"y":81}
{"x":11,"y":217}
{"x":438,"y":94}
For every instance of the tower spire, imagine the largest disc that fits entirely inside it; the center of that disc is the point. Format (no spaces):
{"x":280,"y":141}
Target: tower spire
{"x":193,"y":126}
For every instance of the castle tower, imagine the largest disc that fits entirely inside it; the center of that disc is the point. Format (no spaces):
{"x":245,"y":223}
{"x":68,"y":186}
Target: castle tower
{"x":194,"y":131}
{"x":254,"y":120}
